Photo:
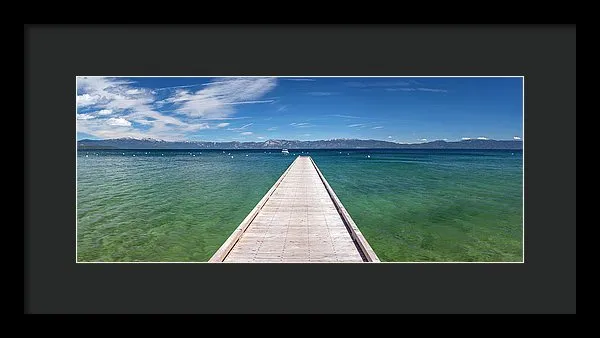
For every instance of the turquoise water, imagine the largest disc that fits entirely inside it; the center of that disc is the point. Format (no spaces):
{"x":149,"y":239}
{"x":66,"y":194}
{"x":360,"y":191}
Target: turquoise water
{"x":411,"y":205}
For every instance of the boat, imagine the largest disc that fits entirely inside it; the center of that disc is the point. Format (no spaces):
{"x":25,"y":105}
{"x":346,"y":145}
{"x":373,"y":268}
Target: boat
{"x":285,"y":151}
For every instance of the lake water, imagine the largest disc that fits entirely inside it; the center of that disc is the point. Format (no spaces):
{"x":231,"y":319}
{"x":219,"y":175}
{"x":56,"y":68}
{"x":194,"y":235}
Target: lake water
{"x":411,"y":205}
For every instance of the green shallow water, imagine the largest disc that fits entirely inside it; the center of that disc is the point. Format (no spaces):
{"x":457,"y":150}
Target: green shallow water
{"x":411,"y":205}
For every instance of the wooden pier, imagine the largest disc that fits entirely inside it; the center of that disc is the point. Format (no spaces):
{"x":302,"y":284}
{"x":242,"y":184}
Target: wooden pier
{"x":299,"y":220}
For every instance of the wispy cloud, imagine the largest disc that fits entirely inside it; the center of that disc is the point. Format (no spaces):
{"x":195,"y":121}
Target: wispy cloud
{"x":345,"y":116}
{"x":260,"y":137}
{"x":241,"y":128}
{"x":421,"y":89}
{"x":222,"y":125}
{"x":249,"y":102}
{"x":516,"y":138}
{"x":299,"y":79}
{"x":175,"y":87}
{"x":435,"y":90}
{"x":400,"y":89}
{"x":321,"y":93}
{"x":482,"y":138}
{"x":247,"y":133}
{"x":355,"y":125}
{"x":390,"y":137}
{"x":282,"y":108}
{"x":306,"y":134}
{"x":377,"y":127}
{"x":272,"y":128}
{"x":300,"y":125}
{"x":465,"y":138}
{"x":216,"y":99}
{"x":393,"y":86}
{"x":423,"y":139}
{"x":226,"y":118}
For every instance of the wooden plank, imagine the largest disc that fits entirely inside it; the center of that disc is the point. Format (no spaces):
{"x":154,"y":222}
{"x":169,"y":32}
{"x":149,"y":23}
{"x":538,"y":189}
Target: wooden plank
{"x":220,"y":254}
{"x":299,"y":220}
{"x":364,"y":246}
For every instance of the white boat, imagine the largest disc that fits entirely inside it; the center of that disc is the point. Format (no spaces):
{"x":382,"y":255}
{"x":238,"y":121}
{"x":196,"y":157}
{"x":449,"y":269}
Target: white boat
{"x":285,"y":151}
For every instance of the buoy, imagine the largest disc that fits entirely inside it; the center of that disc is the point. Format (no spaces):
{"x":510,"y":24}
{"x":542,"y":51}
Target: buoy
{"x":133,"y":155}
{"x":231,"y":156}
{"x":86,"y":156}
{"x":246,"y":155}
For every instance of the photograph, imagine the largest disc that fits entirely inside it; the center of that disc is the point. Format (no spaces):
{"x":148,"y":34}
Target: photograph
{"x":299,"y":169}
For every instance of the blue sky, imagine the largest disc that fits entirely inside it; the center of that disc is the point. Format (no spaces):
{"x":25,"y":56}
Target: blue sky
{"x":398,"y":109}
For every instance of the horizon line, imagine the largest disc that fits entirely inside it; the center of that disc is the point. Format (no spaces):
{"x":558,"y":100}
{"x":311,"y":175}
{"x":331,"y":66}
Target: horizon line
{"x":297,"y":140}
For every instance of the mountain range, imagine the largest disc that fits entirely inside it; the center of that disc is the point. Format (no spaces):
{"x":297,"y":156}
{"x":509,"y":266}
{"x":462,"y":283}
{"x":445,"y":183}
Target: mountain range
{"x":148,"y":143}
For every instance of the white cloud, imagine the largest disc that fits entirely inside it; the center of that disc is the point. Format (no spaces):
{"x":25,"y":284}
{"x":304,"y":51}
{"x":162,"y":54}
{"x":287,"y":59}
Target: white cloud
{"x":272,"y":128}
{"x":249,"y":102}
{"x":282,"y":108}
{"x":111,"y":93}
{"x":435,"y":90}
{"x":377,"y":127}
{"x":389,"y":136}
{"x":356,"y":125}
{"x":216,"y":99}
{"x":465,"y":138}
{"x":423,"y":139}
{"x":421,"y":89}
{"x":126,"y":103}
{"x":516,"y":138}
{"x":173,"y":87}
{"x":300,"y":125}
{"x":482,"y":138}
{"x":345,"y":116}
{"x":247,"y":133}
{"x":104,"y":112}
{"x":306,"y":134}
{"x":85,"y":116}
{"x":260,"y":138}
{"x":86,"y":100}
{"x":242,"y":127}
{"x":118,"y":121}
{"x":401,"y":89}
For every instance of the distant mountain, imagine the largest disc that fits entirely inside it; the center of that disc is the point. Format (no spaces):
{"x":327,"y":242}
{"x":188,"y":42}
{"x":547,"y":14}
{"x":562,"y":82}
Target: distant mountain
{"x":148,"y":143}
